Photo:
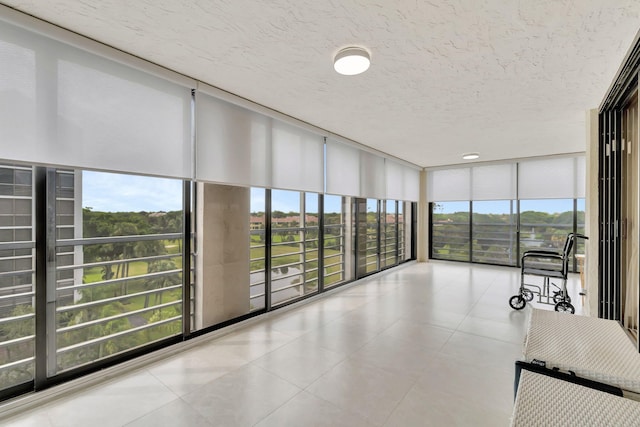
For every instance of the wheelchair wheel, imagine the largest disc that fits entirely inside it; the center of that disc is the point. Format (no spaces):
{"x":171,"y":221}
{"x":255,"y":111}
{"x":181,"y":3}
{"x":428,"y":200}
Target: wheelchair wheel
{"x":527,"y":295}
{"x":565,"y":307}
{"x":557,"y":297}
{"x":517,"y":302}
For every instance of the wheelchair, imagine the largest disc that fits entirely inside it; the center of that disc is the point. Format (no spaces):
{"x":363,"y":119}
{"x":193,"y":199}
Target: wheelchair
{"x":550,"y":265}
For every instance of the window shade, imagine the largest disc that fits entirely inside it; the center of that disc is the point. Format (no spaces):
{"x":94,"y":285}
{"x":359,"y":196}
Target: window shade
{"x":233,"y":144}
{"x":449,"y":185}
{"x":559,"y":178}
{"x":297,"y":158}
{"x":372,"y":176}
{"x":493,"y":182}
{"x":581,"y":177}
{"x":394,"y":174}
{"x":411,"y":185}
{"x":403,"y":182}
{"x":343,"y":169}
{"x":86,"y":111}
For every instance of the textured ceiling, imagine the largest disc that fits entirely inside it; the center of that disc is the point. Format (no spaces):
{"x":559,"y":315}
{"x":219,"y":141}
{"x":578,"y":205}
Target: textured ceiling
{"x":508,"y":79}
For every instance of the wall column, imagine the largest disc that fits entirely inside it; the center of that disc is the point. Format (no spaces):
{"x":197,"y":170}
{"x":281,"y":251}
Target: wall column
{"x":222,"y":264}
{"x":591,"y":215}
{"x":423,"y":220}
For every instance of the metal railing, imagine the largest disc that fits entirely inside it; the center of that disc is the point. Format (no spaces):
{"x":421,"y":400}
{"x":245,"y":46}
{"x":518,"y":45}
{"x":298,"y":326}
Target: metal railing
{"x":105,"y":314}
{"x":495,"y":243}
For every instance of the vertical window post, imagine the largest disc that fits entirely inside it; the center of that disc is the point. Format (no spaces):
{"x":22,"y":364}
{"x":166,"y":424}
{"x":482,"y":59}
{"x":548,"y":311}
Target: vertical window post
{"x":267,"y":249}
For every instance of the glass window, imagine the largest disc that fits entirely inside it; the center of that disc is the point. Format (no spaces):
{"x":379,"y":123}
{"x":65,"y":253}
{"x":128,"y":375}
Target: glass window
{"x":294,"y":245}
{"x":125,"y":290}
{"x":257,"y":236}
{"x":372,"y":237}
{"x":450,"y":228}
{"x":580,"y":229}
{"x":402,"y":239}
{"x":495,"y":232}
{"x":389,"y":238}
{"x":17,"y":281}
{"x":544,"y":224}
{"x":335,"y":254}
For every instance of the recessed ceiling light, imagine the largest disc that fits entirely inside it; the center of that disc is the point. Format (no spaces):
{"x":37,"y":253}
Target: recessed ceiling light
{"x":470,"y":156}
{"x":351,"y":61}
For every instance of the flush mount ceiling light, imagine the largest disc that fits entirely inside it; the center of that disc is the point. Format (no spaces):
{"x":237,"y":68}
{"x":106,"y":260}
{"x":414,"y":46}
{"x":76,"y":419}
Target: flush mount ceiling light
{"x":351,"y":61}
{"x":470,"y":156}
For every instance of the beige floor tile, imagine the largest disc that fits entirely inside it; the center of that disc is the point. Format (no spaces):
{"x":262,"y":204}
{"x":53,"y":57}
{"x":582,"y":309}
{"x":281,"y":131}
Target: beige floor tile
{"x":176,"y":413}
{"x":366,"y":389}
{"x":299,"y":362}
{"x":112,"y":404}
{"x":482,"y":352}
{"x":308,"y":410}
{"x":421,"y":409}
{"x":242,"y":397}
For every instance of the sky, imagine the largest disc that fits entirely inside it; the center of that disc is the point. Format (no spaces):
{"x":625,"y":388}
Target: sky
{"x":289,"y":201}
{"x":111,"y":192}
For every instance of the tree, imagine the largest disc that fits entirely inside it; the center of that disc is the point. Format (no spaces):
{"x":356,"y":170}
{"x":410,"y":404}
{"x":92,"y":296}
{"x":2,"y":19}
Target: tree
{"x":160,"y":281}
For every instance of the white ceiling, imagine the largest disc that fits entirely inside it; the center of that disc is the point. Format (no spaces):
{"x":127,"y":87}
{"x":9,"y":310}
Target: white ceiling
{"x":506,"y":78}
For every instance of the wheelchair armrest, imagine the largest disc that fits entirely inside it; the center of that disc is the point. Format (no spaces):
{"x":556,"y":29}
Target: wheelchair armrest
{"x":542,"y":254}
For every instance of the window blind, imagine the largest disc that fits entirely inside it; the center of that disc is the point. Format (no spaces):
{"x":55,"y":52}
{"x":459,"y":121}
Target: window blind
{"x":297,"y":158}
{"x":64,"y":106}
{"x":233,"y":144}
{"x":343,"y":169}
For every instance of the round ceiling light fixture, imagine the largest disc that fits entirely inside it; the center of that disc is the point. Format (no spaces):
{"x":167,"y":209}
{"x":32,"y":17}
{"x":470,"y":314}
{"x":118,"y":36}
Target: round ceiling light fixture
{"x":470,"y":156}
{"x":351,"y":61}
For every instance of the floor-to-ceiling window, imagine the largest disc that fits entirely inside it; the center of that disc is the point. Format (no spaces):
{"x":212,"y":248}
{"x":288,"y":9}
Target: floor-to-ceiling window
{"x":109,"y":266}
{"x":389,"y":234}
{"x":17,"y":280}
{"x":257,"y":236}
{"x":337,"y":263}
{"x":450,"y":231}
{"x":294,"y":245}
{"x":494,"y":232}
{"x":372,"y":236}
{"x":118,"y":262}
{"x":493,"y":213}
{"x":402,"y":239}
{"x":544,"y":224}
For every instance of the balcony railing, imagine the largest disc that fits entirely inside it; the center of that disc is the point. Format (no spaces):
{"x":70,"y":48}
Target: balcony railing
{"x":101,"y":312}
{"x":495,"y":243}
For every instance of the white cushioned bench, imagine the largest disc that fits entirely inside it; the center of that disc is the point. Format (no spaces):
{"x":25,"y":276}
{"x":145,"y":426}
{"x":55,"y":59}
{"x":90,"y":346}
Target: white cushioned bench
{"x":592,"y":348}
{"x":545,"y":401}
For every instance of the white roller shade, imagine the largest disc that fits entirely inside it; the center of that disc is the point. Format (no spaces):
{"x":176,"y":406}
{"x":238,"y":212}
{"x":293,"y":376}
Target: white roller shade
{"x":581,"y":177}
{"x":233,"y":144}
{"x":449,"y":185}
{"x":394,"y":175}
{"x":297,"y":159}
{"x":411,"y":184}
{"x":493,"y":182}
{"x":559,"y":178}
{"x":372,"y":176}
{"x":403,"y":182}
{"x":61,"y":105}
{"x":343,"y":169}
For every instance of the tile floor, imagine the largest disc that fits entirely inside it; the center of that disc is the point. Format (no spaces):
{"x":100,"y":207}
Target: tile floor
{"x":423,"y":344}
